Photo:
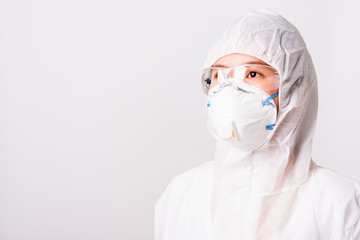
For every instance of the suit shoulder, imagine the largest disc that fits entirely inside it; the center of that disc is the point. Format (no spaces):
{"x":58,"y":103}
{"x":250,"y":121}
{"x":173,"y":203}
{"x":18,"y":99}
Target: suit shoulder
{"x":334,"y":183}
{"x":183,"y":182}
{"x":197,"y":173}
{"x":191,"y":179}
{"x":337,"y":178}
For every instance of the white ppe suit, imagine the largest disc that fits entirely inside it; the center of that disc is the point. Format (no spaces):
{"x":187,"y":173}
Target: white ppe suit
{"x":276,"y":192}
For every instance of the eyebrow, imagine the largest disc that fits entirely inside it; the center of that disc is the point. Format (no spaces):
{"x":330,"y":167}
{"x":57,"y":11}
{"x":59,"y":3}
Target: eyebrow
{"x":251,"y":62}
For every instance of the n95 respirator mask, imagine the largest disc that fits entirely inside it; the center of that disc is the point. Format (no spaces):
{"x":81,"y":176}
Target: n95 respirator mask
{"x":240,"y":114}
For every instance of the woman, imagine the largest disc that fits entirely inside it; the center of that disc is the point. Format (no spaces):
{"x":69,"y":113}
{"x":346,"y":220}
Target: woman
{"x":261,"y":91}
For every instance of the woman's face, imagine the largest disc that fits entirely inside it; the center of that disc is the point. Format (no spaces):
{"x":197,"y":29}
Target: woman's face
{"x":235,"y":59}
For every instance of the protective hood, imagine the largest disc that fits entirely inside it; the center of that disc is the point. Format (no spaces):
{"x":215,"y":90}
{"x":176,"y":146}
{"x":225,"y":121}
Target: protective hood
{"x":247,"y":183}
{"x":276,"y":191}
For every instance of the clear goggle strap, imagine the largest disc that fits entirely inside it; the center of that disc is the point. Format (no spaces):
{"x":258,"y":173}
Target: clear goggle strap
{"x":222,"y":74}
{"x":239,"y":74}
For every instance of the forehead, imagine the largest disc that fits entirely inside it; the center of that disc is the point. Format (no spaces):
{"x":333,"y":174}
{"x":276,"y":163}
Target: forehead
{"x":234,"y":59}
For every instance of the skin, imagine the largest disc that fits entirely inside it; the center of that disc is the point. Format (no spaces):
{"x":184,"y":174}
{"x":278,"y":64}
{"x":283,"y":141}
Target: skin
{"x":235,"y":59}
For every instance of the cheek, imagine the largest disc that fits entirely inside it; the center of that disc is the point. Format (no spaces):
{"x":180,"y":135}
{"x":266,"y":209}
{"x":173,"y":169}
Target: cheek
{"x":271,"y":92}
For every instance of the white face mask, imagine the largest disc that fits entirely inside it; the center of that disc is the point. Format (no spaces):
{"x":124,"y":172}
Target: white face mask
{"x":243,"y":115}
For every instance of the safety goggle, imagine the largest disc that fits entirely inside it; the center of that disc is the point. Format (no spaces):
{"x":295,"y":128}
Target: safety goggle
{"x":261,"y":76}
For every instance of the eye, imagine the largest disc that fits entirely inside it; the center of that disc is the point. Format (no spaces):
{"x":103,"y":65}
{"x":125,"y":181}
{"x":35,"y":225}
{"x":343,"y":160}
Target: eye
{"x":208,"y":82}
{"x":253,"y":74}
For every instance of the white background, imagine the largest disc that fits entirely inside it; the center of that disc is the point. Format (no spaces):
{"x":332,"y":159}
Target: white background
{"x":101,"y":106}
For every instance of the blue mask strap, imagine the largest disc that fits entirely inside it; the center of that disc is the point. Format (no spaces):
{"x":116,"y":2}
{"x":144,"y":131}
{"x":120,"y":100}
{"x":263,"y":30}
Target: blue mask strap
{"x":267,"y":101}
{"x":270,"y":126}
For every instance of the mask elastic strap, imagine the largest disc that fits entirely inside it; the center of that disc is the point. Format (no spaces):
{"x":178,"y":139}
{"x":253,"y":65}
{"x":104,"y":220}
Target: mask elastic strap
{"x":267,"y":101}
{"x":270,"y":126}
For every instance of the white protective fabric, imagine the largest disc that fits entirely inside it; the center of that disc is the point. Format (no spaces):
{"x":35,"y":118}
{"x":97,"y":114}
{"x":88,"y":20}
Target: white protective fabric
{"x":275,"y":192}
